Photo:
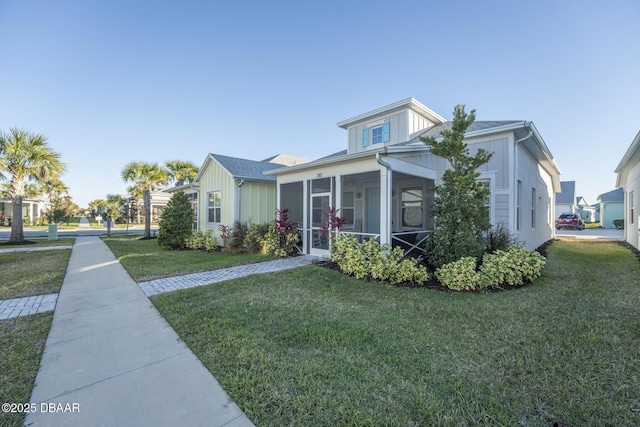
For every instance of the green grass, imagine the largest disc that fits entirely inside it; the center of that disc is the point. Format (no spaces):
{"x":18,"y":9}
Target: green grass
{"x":310,"y":346}
{"x":22,"y":341}
{"x":32,"y":273}
{"x":145,"y":260}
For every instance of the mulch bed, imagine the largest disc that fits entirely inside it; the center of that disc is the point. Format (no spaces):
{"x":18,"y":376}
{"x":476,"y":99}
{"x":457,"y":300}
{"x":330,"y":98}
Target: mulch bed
{"x":24,"y":242}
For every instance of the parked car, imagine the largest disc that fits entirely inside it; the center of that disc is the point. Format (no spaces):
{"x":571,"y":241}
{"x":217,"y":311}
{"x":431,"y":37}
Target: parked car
{"x":569,"y":220}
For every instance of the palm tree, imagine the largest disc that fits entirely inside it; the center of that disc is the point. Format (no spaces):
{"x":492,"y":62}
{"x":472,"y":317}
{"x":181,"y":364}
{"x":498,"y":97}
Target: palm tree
{"x":145,"y":177}
{"x":25,"y":157}
{"x":181,"y":171}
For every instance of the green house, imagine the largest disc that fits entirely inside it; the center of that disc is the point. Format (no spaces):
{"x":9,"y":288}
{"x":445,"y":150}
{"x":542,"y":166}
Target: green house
{"x":611,"y":207}
{"x":229,"y":189}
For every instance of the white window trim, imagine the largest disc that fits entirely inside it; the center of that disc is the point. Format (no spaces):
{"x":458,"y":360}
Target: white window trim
{"x":213,"y":190}
{"x":491,"y":178}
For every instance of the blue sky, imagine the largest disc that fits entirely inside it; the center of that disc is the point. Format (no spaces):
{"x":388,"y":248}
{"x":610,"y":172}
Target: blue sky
{"x":114,"y":81}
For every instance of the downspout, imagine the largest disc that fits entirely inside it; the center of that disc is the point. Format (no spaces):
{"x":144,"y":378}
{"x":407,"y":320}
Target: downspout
{"x":515,"y":179}
{"x":240,"y":184}
{"x":389,"y":201}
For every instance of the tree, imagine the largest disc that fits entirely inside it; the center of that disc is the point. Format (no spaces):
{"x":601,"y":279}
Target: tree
{"x":25,"y":158}
{"x":459,"y":206}
{"x":181,"y":172}
{"x":57,"y":192}
{"x":114,"y":207}
{"x":145,"y":177}
{"x":176,"y":222}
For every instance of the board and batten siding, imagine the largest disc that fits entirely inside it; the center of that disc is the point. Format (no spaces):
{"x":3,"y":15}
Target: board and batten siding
{"x":215,"y":178}
{"x":257,"y":202}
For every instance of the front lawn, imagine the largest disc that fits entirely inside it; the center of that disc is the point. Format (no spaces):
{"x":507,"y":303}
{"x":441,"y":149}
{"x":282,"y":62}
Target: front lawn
{"x":31,"y":273}
{"x":39,"y":242}
{"x":146,"y":260}
{"x":311,"y":346}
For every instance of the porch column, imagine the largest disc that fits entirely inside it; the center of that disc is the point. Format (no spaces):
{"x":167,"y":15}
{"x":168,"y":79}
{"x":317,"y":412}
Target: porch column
{"x":385,"y":205}
{"x":305,"y":216}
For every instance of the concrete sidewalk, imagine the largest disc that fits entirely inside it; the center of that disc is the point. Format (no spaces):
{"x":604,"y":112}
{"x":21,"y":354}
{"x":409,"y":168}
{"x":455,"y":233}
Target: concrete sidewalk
{"x":112,"y":360}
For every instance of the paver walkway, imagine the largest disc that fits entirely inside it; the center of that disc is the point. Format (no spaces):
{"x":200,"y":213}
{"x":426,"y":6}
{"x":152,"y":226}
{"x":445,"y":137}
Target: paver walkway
{"x":111,"y":356}
{"x":167,"y":284}
{"x":15,"y":307}
{"x":33,"y":249}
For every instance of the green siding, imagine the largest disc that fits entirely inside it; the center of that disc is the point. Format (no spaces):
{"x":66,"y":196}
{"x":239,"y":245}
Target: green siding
{"x":257,"y":200}
{"x":610,"y":212}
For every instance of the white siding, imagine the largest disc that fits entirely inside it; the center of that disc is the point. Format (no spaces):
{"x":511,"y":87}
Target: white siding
{"x":632,"y":206}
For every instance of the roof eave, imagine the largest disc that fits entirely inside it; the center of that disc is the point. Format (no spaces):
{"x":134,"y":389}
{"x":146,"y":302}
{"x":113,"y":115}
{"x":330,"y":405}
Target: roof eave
{"x":405,"y":103}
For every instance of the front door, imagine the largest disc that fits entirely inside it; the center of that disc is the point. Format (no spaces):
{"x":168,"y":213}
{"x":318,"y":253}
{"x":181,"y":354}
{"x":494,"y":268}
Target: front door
{"x":320,"y":201}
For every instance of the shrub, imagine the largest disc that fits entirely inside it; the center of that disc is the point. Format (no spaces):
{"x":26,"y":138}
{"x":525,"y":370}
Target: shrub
{"x":618,"y":224}
{"x":459,"y":275}
{"x":255,"y":237}
{"x":202,"y":241}
{"x":370,"y":260}
{"x":233,"y":237}
{"x":499,"y":238}
{"x":282,"y":236}
{"x":176,"y":222}
{"x":513,"y":267}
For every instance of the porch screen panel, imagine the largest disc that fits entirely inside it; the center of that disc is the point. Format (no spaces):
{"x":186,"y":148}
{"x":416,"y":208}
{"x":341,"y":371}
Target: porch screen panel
{"x":413,"y":207}
{"x":291,"y":197}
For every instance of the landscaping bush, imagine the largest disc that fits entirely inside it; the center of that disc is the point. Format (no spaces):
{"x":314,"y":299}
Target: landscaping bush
{"x":514,"y":267}
{"x":499,"y":238}
{"x":459,"y":275}
{"x":233,"y":237}
{"x":618,"y":224}
{"x":176,"y":222}
{"x":255,"y":237}
{"x":282,"y":236}
{"x":370,"y":260}
{"x":202,"y":241}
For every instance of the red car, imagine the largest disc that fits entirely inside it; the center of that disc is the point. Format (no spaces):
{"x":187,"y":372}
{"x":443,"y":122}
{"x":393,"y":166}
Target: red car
{"x":569,"y":220}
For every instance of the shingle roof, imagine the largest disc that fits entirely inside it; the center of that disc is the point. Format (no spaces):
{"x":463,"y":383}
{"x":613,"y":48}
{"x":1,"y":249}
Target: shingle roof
{"x":436,"y":131}
{"x":246,"y":169}
{"x":567,"y":194}
{"x":616,"y":195}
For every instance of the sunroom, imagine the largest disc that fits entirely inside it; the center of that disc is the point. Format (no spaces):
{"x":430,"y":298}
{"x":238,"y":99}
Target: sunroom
{"x":382,"y":197}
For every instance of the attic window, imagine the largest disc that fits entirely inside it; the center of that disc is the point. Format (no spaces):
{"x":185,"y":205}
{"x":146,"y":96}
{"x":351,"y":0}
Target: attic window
{"x":377,"y":134}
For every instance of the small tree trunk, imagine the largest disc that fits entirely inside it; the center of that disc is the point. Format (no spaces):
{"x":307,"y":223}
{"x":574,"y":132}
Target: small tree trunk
{"x":17,"y":227}
{"x":147,"y":214}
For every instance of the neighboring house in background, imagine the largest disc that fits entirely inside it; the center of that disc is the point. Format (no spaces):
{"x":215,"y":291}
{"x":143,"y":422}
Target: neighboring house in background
{"x":585,"y":210}
{"x":32,"y":210}
{"x":383,"y":183}
{"x":628,"y":179}
{"x":229,"y":189}
{"x":566,"y":198}
{"x":611,"y":207}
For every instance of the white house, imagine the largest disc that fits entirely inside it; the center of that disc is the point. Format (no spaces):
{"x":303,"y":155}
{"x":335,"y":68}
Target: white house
{"x":383,"y":182}
{"x":566,"y":198}
{"x":628,"y":179}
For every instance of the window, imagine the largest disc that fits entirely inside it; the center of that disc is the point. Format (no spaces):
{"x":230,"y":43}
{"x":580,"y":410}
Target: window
{"x":377,"y":134}
{"x":214,"y":206}
{"x":487,"y":203}
{"x":518,"y":202}
{"x":631,"y":210}
{"x":533,"y":208}
{"x":412,"y":205}
{"x":348,"y":207}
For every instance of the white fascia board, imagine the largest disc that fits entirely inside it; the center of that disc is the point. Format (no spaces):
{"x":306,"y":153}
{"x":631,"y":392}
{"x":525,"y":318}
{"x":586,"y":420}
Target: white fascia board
{"x":631,"y":154}
{"x":405,"y":103}
{"x":345,"y":158}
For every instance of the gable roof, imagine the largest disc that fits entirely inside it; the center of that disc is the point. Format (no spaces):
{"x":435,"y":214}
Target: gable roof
{"x":630,"y":159}
{"x":252,"y":170}
{"x":612,"y":196}
{"x":567,"y":194}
